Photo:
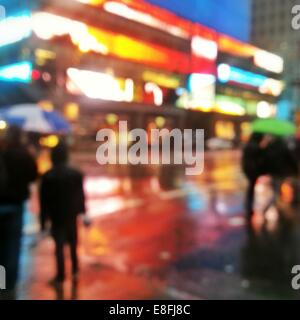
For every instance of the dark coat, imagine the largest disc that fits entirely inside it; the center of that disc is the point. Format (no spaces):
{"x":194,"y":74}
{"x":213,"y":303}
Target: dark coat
{"x":61,"y":197}
{"x":253,"y":160}
{"x":21,"y":170}
{"x":280,"y":161}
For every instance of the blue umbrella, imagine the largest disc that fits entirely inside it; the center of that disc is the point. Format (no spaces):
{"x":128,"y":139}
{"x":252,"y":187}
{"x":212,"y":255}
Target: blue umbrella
{"x":31,"y":117}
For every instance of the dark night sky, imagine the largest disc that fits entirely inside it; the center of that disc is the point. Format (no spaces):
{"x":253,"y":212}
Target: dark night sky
{"x":228,"y":16}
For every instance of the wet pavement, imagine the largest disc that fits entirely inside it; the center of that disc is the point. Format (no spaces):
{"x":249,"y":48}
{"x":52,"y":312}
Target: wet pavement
{"x":186,"y":241}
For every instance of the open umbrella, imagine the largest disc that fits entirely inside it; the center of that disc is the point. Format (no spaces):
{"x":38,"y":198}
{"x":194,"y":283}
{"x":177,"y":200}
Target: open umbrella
{"x":275,"y":127}
{"x":31,"y":117}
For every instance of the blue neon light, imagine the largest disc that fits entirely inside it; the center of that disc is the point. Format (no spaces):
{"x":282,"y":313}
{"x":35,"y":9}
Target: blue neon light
{"x":18,"y":72}
{"x":14,"y":29}
{"x":228,"y":73}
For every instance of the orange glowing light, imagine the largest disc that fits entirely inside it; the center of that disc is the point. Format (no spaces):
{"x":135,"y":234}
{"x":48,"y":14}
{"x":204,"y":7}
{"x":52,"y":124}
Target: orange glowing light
{"x":225,"y":130}
{"x":43,"y":162}
{"x":153,"y":16}
{"x":287,"y":192}
{"x":48,"y":26}
{"x":232,"y":46}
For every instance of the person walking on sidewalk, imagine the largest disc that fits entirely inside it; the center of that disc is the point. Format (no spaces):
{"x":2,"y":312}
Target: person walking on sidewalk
{"x":253,"y":167}
{"x":62,"y":200}
{"x":18,"y":170}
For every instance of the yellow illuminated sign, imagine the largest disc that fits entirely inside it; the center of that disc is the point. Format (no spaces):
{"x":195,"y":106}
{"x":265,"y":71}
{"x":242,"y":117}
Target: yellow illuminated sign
{"x":162,"y":80}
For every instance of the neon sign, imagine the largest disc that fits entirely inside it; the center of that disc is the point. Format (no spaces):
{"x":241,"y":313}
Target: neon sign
{"x":265,"y":85}
{"x":204,"y":40}
{"x":18,"y":72}
{"x":232,"y":46}
{"x":205,"y":48}
{"x":138,"y":11}
{"x":48,"y":26}
{"x":202,"y":91}
{"x":269,"y":61}
{"x":158,"y":95}
{"x":125,"y":11}
{"x":164,"y":80}
{"x":14,"y":29}
{"x":97,"y":85}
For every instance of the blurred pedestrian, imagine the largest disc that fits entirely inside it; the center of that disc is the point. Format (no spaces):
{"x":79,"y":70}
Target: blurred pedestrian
{"x":253,"y":167}
{"x":280,"y":163}
{"x":62,"y":200}
{"x":17,"y":171}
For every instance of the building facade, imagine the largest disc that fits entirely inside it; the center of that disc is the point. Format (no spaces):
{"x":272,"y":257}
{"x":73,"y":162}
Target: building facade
{"x":272,"y":30}
{"x":102,"y":61}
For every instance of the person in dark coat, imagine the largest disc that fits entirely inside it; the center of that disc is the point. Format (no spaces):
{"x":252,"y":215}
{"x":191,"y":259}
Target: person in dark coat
{"x":281,"y":163}
{"x":62,"y":199}
{"x":280,"y":160}
{"x":253,"y":167}
{"x":18,"y":171}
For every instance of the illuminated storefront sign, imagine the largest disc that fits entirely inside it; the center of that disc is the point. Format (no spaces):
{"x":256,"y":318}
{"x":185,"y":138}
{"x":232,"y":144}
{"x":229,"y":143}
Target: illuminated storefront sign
{"x":268,"y":61}
{"x":97,"y":85}
{"x":235,"y":105}
{"x":157,"y":92}
{"x":263,"y":59}
{"x":272,"y":87}
{"x":163,"y":80}
{"x":146,"y":14}
{"x":201,"y":93}
{"x":42,"y":56}
{"x":204,"y":41}
{"x":204,"y":48}
{"x":48,"y":26}
{"x":235,"y":47}
{"x":230,"y":108}
{"x":18,"y":72}
{"x":230,"y":105}
{"x":147,"y":19}
{"x":239,"y":106}
{"x":265,"y":85}
{"x":14,"y":29}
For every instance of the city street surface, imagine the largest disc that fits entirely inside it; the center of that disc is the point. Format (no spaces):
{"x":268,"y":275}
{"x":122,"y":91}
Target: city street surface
{"x":187,"y":240}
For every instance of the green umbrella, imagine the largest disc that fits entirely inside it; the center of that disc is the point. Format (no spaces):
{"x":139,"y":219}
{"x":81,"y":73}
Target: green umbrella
{"x":274,"y":126}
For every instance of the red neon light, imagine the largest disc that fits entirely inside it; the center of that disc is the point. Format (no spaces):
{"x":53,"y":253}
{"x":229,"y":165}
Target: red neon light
{"x":233,"y":46}
{"x":98,"y":40}
{"x":36,"y":75}
{"x":226,"y":44}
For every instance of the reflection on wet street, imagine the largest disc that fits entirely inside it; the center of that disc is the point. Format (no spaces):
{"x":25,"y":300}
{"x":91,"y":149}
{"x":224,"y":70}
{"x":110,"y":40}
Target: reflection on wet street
{"x":189,"y":241}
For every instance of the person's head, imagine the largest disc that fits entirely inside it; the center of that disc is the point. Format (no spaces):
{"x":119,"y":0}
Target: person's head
{"x":256,"y":137}
{"x":60,"y":154}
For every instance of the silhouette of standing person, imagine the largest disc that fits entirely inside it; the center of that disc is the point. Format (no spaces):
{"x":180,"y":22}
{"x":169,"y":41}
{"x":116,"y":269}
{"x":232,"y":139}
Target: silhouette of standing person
{"x":17,"y":171}
{"x":253,"y":167}
{"x":62,"y":199}
{"x":281,"y":163}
